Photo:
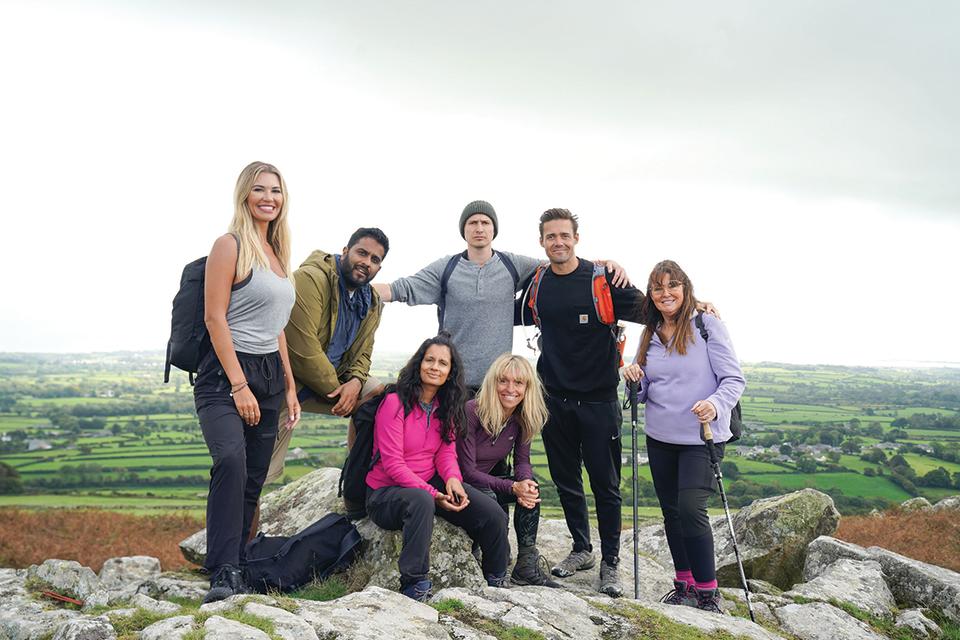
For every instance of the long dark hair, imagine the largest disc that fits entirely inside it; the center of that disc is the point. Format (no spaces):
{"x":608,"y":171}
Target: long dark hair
{"x":653,"y":317}
{"x":452,"y":396}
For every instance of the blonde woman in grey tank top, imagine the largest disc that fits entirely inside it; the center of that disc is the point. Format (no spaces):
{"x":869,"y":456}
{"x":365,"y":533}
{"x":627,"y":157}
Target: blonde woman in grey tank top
{"x":245,"y":379}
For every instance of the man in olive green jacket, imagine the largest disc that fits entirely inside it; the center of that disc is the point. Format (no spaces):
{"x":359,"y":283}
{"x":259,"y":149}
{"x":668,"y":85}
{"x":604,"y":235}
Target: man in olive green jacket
{"x":330,"y":333}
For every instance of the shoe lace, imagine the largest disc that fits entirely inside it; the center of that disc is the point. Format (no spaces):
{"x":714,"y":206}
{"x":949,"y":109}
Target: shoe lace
{"x":672,"y":597}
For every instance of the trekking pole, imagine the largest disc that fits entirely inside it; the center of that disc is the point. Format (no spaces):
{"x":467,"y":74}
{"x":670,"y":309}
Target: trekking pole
{"x":707,"y":436}
{"x":632,"y":390}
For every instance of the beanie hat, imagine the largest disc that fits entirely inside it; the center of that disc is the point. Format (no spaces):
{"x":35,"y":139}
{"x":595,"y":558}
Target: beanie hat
{"x":478,"y":206}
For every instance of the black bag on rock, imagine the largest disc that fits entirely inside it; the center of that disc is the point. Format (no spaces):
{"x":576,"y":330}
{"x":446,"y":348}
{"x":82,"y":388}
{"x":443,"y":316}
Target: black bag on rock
{"x":278,"y":563}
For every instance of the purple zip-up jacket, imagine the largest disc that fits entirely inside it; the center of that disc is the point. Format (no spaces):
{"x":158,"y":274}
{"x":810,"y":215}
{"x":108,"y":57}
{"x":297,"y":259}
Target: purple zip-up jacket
{"x":478,"y":453}
{"x":673,"y":383}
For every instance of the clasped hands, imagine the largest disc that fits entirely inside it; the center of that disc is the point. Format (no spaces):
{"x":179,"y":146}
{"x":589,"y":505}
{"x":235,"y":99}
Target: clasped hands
{"x":454,"y":498}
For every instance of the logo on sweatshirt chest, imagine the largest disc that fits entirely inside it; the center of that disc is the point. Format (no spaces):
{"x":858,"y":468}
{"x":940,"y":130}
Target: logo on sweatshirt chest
{"x":584,"y":318}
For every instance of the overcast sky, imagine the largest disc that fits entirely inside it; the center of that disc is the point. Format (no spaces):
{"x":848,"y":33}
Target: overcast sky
{"x":800,"y":161}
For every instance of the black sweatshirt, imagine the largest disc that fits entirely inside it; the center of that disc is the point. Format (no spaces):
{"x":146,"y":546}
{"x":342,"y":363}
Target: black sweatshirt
{"x":578,"y":358}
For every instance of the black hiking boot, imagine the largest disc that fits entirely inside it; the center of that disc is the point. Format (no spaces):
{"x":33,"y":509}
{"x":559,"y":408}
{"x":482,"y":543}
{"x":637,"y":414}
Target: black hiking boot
{"x":225,"y":582}
{"x":531,"y":569}
{"x":708,"y":600}
{"x":610,"y":579}
{"x":682,"y":593}
{"x":419,"y":590}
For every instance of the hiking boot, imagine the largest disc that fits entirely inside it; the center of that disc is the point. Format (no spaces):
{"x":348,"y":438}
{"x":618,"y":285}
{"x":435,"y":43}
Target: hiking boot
{"x":610,"y":579}
{"x":498,"y":580}
{"x":708,"y":600}
{"x":419,"y":590}
{"x":531,"y":569}
{"x":682,"y":593}
{"x":225,"y":582}
{"x":576,"y":561}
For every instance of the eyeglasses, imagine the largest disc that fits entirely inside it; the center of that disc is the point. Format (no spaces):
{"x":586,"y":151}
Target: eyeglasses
{"x":672,"y":285}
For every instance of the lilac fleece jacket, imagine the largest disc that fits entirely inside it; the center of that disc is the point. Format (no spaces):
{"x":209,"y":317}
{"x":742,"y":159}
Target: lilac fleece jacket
{"x":411,"y":449}
{"x":478,"y":453}
{"x":673,"y":383}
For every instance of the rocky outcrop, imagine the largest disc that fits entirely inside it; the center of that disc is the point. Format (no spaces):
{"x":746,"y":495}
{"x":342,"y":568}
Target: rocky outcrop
{"x":951,"y":503}
{"x":856,"y":582}
{"x":67,"y":577}
{"x":916,"y":504}
{"x":820,"y":621}
{"x":920,"y":625}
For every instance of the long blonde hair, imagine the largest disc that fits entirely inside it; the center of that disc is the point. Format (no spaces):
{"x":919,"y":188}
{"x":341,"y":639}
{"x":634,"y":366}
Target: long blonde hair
{"x":532,"y":411}
{"x":243,"y":227}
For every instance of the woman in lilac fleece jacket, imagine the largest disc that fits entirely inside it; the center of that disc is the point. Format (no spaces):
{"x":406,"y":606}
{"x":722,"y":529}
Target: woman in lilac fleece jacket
{"x":506,"y":416}
{"x":415,"y":473}
{"x":684,"y":381}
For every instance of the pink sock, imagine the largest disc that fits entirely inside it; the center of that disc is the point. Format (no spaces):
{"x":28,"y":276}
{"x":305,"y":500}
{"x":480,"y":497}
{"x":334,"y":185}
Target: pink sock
{"x":686,"y":576}
{"x":706,"y":585}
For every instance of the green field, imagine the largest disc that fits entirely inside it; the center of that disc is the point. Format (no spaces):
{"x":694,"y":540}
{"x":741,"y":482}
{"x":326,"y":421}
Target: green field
{"x":852,"y":484}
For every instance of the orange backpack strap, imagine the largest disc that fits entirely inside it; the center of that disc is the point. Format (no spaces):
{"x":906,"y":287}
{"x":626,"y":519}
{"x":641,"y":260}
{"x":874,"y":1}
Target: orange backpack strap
{"x":602,"y":299}
{"x":534,"y":288}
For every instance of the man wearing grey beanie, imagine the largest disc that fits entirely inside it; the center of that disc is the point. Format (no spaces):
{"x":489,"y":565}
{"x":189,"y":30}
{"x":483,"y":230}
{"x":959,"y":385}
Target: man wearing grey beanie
{"x":474,"y":291}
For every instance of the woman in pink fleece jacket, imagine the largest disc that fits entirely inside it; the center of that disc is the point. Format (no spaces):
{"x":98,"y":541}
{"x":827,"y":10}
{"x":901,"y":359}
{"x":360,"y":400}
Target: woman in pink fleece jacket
{"x":415,"y":473}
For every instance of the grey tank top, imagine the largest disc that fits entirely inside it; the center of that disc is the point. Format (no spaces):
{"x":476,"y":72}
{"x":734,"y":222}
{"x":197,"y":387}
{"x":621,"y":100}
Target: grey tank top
{"x":259,"y":309}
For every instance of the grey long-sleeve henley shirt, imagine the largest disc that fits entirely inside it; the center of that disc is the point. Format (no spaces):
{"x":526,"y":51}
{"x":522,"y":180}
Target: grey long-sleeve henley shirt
{"x":479,"y":307}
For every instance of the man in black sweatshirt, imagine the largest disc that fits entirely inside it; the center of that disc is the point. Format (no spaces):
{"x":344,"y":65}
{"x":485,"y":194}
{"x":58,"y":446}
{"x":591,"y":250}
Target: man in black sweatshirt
{"x":579,"y":367}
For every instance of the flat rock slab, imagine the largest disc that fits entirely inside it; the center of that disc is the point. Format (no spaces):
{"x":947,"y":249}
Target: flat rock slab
{"x":856,"y":582}
{"x":167,"y":586}
{"x":86,"y":629}
{"x":142,"y":601}
{"x":373,"y":614}
{"x":27,"y":620}
{"x":117,"y":573}
{"x":704,"y":621}
{"x":218,"y":628}
{"x":169,"y":629}
{"x":918,"y":584}
{"x":67,"y":577}
{"x":820,"y":621}
{"x":288,"y":626}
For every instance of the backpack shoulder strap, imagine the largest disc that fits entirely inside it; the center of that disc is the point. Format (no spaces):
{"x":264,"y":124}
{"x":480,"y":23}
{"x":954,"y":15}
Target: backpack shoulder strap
{"x":534,"y":288}
{"x":444,"y":279}
{"x":698,"y":320}
{"x":602,"y":298}
{"x":508,"y":263}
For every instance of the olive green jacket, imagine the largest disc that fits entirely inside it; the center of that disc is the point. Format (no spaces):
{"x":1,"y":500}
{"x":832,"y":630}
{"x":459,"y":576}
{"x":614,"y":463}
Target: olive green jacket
{"x":311,"y":326}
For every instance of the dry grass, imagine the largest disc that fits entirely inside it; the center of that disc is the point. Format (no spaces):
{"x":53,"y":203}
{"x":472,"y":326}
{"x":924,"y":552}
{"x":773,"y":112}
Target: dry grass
{"x":91,"y":536}
{"x":932,"y":537}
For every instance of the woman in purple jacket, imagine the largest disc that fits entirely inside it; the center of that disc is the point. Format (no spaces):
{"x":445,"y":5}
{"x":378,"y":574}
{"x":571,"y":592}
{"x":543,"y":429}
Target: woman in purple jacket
{"x":507,"y":414}
{"x":685,"y":380}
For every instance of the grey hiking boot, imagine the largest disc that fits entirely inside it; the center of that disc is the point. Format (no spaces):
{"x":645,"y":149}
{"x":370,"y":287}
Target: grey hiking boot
{"x":708,"y":600}
{"x":576,"y":561}
{"x":610,"y":579}
{"x":682,"y":593}
{"x":531,"y":569}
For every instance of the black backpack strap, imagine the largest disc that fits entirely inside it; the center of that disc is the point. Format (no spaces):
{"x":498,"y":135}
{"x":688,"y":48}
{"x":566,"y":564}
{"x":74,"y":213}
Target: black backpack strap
{"x":442,"y":302}
{"x":166,"y":365}
{"x":508,"y":263}
{"x":698,"y":320}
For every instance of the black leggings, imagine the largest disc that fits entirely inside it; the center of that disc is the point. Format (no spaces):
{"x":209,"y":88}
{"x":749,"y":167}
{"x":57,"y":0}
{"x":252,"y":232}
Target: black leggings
{"x":684,"y":481}
{"x":526,"y":522}
{"x":241,"y":453}
{"x":412,"y":510}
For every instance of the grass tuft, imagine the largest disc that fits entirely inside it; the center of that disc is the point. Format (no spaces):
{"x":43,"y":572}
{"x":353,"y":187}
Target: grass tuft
{"x":330,"y":589}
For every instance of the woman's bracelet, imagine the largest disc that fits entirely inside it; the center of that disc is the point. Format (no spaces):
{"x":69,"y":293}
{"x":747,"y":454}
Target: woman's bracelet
{"x":237,"y":387}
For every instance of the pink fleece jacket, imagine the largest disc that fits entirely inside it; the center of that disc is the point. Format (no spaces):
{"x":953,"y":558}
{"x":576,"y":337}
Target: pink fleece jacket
{"x":411,"y":449}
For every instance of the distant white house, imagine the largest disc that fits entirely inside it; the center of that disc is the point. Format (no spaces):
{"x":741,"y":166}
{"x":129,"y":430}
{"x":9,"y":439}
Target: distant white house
{"x":297,"y":454}
{"x":38,"y":445}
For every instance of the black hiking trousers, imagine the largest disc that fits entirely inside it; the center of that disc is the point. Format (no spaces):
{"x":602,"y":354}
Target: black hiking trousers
{"x":684,"y":481}
{"x":588,"y":434}
{"x":412,"y":510}
{"x":241,"y":453}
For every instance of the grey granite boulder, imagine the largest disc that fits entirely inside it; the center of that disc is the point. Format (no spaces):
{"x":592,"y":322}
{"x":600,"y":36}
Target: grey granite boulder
{"x":175,"y":585}
{"x":86,"y":629}
{"x":169,"y":628}
{"x":856,"y":582}
{"x":217,"y":628}
{"x":950,"y":503}
{"x":824,"y":551}
{"x":918,"y":584}
{"x":920,"y":625}
{"x":373,"y":614}
{"x":287,"y":625}
{"x":66,"y":577}
{"x":24,"y":619}
{"x":11,"y":584}
{"x":820,"y":621}
{"x":916,"y":504}
{"x":142,"y":601}
{"x":118,"y":573}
